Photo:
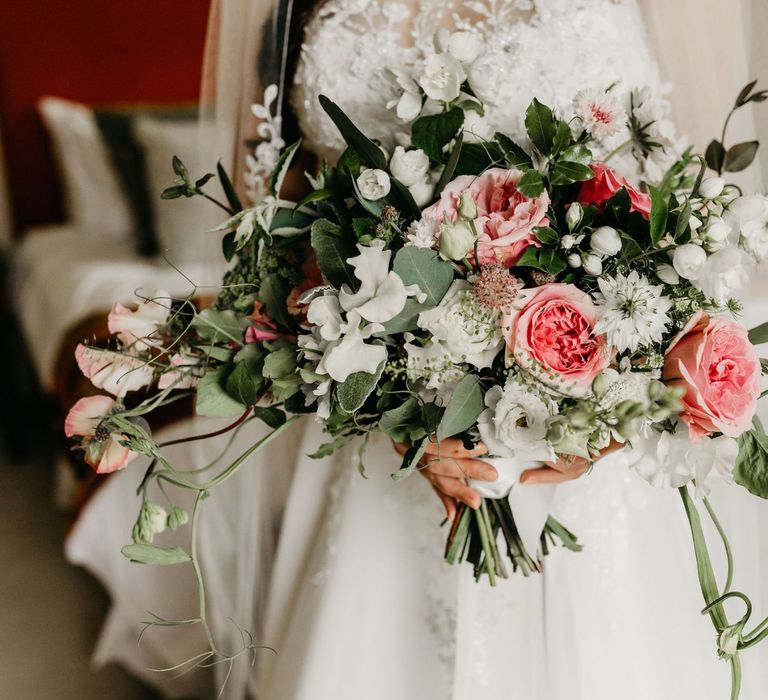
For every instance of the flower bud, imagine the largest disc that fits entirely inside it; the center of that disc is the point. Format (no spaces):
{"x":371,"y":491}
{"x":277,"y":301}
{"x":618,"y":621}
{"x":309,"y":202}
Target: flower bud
{"x":574,"y":215}
{"x":715,"y":235}
{"x":456,"y":240}
{"x":409,"y":167}
{"x":712,"y":187}
{"x":156,"y":517}
{"x":605,"y":241}
{"x":467,"y":207}
{"x":177,"y":517}
{"x":593,"y":265}
{"x":574,"y":260}
{"x":599,"y":386}
{"x":666,"y":273}
{"x":689,"y":260}
{"x":567,"y":241}
{"x":728,"y":641}
{"x":373,"y":184}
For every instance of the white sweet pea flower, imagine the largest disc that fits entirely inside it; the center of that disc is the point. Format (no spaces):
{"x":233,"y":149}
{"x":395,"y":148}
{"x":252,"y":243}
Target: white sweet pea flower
{"x":382,"y":293}
{"x":465,"y":47}
{"x":351,"y":353}
{"x":408,"y":105}
{"x":409,"y":167}
{"x":689,"y":260}
{"x":441,"y":77}
{"x":490,"y":77}
{"x":749,"y":218}
{"x":605,"y":241}
{"x":724,"y":274}
{"x":477,"y":128}
{"x":325,"y":313}
{"x":515,"y":423}
{"x":712,"y":187}
{"x":469,"y":332}
{"x":137,"y":328}
{"x":373,"y":184}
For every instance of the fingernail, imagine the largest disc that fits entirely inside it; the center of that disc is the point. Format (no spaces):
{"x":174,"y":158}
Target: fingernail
{"x":489,"y":473}
{"x":474,"y":503}
{"x":527,"y":478}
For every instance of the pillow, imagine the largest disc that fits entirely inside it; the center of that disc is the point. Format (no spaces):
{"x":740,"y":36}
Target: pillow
{"x":180,"y":225}
{"x":93,"y":196}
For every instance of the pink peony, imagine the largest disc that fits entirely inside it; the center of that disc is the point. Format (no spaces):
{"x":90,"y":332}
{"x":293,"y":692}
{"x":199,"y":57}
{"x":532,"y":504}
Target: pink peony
{"x":608,"y":182}
{"x":714,"y":362}
{"x":550,"y":334}
{"x":505,"y":219}
{"x":103,"y":450}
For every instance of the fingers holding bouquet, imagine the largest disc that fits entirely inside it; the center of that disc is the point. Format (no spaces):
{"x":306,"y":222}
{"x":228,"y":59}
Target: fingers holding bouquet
{"x":565,"y":468}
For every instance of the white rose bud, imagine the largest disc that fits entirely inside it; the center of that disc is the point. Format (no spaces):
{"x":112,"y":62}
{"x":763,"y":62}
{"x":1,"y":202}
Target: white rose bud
{"x":689,"y":260}
{"x":410,"y":167}
{"x":715,"y":235}
{"x":373,"y":184}
{"x":464,"y":46}
{"x":712,"y":187}
{"x":593,"y":265}
{"x":605,"y":241}
{"x":442,"y":77}
{"x":467,"y":207}
{"x":666,"y":273}
{"x":567,"y":241}
{"x":574,"y":215}
{"x":695,"y":223}
{"x":574,"y":260}
{"x":456,"y":240}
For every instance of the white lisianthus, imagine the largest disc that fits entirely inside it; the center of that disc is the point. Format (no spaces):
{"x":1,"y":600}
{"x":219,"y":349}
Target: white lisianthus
{"x":470,"y":333}
{"x":441,"y":77}
{"x":137,"y":328}
{"x":409,"y":167}
{"x":477,"y":128}
{"x":601,"y":112}
{"x":465,"y":47}
{"x":689,"y":260}
{"x":423,"y":233}
{"x":605,"y":241}
{"x":456,"y":239}
{"x":724,"y":275}
{"x":667,"y":274}
{"x":373,"y":184}
{"x":712,"y":187}
{"x":593,"y":265}
{"x":351,"y":353}
{"x":489,"y":77}
{"x":715,"y":235}
{"x":408,"y":104}
{"x":515,"y":422}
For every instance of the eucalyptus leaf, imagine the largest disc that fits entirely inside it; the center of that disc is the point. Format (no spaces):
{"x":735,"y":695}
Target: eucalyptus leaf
{"x":328,"y":448}
{"x":219,"y":325}
{"x":273,"y":294}
{"x":464,"y":408}
{"x":407,"y":319}
{"x":332,"y":251}
{"x":424,"y":268}
{"x":150,"y":554}
{"x":370,"y":154}
{"x":398,"y":422}
{"x":270,"y":415}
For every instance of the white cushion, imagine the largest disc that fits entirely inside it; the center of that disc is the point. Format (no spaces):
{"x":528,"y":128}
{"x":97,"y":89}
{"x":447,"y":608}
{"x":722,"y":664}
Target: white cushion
{"x":94,"y":199}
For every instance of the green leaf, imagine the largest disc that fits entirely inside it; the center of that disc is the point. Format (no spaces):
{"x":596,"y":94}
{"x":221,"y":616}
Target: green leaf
{"x":280,"y":363}
{"x":149,"y":554}
{"x":740,"y":156}
{"x":202,"y":181}
{"x":370,"y":154}
{"x":332,"y":252}
{"x":220,"y":325}
{"x":229,"y":188}
{"x":174,"y":192}
{"x":212,"y":400}
{"x":578,"y":153}
{"x":397,"y":422}
{"x":715,"y":155}
{"x":180,"y":169}
{"x":277,"y":177}
{"x":431,"y":134}
{"x":244,"y":383}
{"x":270,"y":415}
{"x":759,"y":334}
{"x":562,"y":138}
{"x":659,"y":215}
{"x":411,"y":459}
{"x":425,"y":268}
{"x":567,"y":172}
{"x":463,"y":410}
{"x":401,"y":198}
{"x":273,"y":294}
{"x":741,"y":99}
{"x":551,"y":261}
{"x":315,"y":196}
{"x":540,"y":126}
{"x":228,"y":246}
{"x":751,"y":469}
{"x":328,"y":448}
{"x":456,"y":545}
{"x":406,"y":320}
{"x":515,"y":156}
{"x":529,"y":258}
{"x":547,"y":235}
{"x":353,"y":393}
{"x":478,"y":157}
{"x":450,"y":167}
{"x":531,"y":184}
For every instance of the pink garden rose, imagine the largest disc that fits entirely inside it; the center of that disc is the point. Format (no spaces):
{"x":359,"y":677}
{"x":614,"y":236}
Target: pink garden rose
{"x":550,"y":334}
{"x":103,"y":450}
{"x":505,"y":219}
{"x":606,"y":183}
{"x":714,"y":362}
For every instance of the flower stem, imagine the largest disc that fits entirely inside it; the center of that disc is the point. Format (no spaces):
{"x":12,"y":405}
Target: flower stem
{"x":198,"y":572}
{"x":486,"y":542}
{"x":726,"y":545}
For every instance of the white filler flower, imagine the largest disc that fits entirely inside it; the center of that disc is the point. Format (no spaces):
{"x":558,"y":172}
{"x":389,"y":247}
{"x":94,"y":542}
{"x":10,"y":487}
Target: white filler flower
{"x":374,"y":184}
{"x":601,"y":112}
{"x":633,"y":312}
{"x":423,"y":233}
{"x":442,"y":77}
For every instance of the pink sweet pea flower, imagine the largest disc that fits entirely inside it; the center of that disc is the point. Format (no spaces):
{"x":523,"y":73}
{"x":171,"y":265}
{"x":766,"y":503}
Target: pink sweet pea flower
{"x":103,"y":450}
{"x":137,"y":328}
{"x":114,"y":372}
{"x":712,"y":360}
{"x":606,"y":183}
{"x":506,"y":219}
{"x":550,"y":334}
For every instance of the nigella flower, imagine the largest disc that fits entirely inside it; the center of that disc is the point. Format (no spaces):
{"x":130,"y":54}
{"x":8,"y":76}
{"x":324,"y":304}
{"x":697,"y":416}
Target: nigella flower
{"x":601,"y":113}
{"x":102,"y":447}
{"x":632,"y":311}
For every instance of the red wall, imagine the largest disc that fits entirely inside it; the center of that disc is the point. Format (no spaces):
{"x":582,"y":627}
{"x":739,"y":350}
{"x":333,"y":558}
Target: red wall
{"x":94,"y":51}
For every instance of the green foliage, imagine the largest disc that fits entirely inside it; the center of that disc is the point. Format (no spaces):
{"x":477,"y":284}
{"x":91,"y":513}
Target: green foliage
{"x":219,"y":325}
{"x":229,"y":188}
{"x":659,"y":215}
{"x":150,"y":554}
{"x":398,"y":423}
{"x":411,"y":459}
{"x":369,"y":153}
{"x":424,"y":268}
{"x":546,"y":259}
{"x":751,"y":469}
{"x":740,"y":156}
{"x":478,"y":157}
{"x":450,"y":167}
{"x":541,"y":126}
{"x":273,"y":294}
{"x":332,"y":251}
{"x":531,"y":184}
{"x":212,"y":399}
{"x":464,"y":408}
{"x":759,"y":334}
{"x":433,"y":133}
{"x":328,"y":448}
{"x":514,"y":155}
{"x":567,"y":172}
{"x":407,"y":319}
{"x":277,"y":177}
{"x":353,"y":393}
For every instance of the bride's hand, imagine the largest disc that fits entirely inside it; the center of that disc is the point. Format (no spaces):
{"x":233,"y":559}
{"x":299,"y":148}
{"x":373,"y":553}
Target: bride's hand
{"x":566,"y":468}
{"x":447,"y":465}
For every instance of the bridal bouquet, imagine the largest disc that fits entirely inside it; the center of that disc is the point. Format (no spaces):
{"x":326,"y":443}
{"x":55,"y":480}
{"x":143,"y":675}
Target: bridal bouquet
{"x":519,"y":295}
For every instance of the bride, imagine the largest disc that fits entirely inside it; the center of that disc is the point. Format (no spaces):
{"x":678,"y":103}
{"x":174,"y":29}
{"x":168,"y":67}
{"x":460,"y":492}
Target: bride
{"x":358,"y":604}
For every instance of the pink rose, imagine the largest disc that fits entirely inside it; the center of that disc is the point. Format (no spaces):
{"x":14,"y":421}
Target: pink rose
{"x":714,"y":362}
{"x":608,"y":182}
{"x":552,"y":337}
{"x":505,"y":217}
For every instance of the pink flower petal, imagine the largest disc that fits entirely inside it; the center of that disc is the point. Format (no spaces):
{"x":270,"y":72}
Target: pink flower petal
{"x":86,"y":414}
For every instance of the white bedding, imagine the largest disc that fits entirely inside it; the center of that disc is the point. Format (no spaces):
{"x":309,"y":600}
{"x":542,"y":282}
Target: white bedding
{"x":60,"y":277}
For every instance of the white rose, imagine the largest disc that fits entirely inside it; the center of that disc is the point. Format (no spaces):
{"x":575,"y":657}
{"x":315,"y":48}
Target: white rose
{"x":489,"y":77}
{"x":593,"y":265}
{"x":456,"y":240}
{"x":715,"y":235}
{"x":754,"y":238}
{"x":373,"y":184}
{"x":467,"y":331}
{"x":410,"y":167}
{"x":749,"y":218}
{"x":442,"y":77}
{"x":712,"y":187}
{"x":422,"y":193}
{"x":724,"y":274}
{"x":689,"y":260}
{"x":477,"y":129}
{"x":605,"y":241}
{"x":666,"y":273}
{"x":567,"y":241}
{"x":515,"y":423}
{"x":464,"y":46}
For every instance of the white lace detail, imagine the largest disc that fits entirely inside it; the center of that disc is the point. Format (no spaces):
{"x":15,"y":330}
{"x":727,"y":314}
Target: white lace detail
{"x":554,"y":48}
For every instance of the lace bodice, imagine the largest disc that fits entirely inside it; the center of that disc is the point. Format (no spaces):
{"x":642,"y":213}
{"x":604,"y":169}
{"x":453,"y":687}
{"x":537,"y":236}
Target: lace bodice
{"x":550,"y":50}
